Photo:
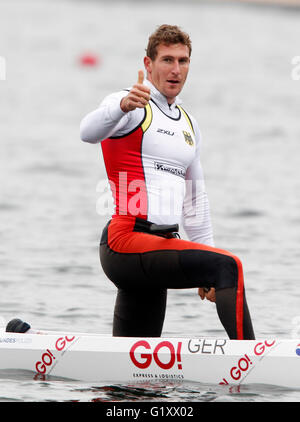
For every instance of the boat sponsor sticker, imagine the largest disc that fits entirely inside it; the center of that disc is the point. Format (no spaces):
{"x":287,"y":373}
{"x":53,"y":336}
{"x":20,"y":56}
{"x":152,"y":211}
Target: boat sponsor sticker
{"x":49,"y":358}
{"x":166,"y":355}
{"x":298,"y":350}
{"x":21,"y":339}
{"x":207,"y":346}
{"x":244,"y":364}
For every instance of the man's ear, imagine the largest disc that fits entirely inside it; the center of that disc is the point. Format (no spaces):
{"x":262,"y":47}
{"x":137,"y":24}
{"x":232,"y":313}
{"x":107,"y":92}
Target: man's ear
{"x":148,"y":64}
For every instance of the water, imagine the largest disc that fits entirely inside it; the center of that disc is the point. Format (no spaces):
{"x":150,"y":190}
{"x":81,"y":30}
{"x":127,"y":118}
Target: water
{"x":241,"y":91}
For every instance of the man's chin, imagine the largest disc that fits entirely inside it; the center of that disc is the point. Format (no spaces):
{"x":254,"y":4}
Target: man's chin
{"x":172,"y":92}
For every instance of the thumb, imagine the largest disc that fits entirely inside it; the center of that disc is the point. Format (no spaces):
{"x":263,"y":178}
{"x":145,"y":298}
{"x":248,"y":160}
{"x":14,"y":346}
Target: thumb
{"x":140,"y":77}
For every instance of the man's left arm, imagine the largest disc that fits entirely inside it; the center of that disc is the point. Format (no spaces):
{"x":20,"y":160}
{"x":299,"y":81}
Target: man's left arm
{"x":196,"y":212}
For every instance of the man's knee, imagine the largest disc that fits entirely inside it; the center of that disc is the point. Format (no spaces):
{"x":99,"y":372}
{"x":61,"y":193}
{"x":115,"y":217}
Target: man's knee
{"x":228,"y":271}
{"x":210,"y":268}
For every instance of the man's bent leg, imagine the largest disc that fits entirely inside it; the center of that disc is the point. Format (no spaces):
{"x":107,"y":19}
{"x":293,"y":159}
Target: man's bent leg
{"x":224,"y":271}
{"x":139,"y":313}
{"x":139,"y":263}
{"x":226,"y":309}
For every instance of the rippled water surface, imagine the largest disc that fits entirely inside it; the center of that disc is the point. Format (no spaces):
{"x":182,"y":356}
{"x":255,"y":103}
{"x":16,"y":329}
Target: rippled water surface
{"x":240,"y":90}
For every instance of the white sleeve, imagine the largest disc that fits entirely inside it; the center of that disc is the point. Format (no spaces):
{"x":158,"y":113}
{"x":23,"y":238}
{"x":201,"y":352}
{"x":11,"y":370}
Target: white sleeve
{"x":105,"y":121}
{"x":196,"y":213}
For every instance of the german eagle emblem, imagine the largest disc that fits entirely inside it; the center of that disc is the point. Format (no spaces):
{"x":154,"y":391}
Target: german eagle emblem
{"x":188,"y":138}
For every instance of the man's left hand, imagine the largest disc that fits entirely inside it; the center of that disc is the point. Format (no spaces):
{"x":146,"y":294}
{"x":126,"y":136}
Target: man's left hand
{"x":210,"y":295}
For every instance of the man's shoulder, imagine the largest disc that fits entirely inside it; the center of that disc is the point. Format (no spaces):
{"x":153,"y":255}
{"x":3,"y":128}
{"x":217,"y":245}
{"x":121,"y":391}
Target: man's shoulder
{"x":191,"y":117}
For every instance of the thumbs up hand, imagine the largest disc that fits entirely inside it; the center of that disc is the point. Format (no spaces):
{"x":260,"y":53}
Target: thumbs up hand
{"x":138,"y":96}
{"x":140,"y":77}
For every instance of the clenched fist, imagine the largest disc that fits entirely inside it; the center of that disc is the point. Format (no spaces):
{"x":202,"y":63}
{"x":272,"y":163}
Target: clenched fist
{"x":138,"y":96}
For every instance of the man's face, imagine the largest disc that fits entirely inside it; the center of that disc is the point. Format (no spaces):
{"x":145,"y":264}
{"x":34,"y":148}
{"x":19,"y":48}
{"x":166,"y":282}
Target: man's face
{"x":168,"y":71}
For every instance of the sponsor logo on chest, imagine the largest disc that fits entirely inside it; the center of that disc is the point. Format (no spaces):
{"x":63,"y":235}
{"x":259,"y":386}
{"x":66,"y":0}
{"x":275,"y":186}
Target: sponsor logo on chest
{"x":175,"y":170}
{"x":186,"y":135}
{"x":165,"y":132}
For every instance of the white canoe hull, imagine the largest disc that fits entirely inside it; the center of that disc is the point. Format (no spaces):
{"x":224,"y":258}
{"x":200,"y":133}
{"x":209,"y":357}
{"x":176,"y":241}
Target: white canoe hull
{"x":96,"y":358}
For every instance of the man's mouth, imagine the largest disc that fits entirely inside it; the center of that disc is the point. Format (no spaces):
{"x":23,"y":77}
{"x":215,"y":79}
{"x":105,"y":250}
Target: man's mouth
{"x":173,"y":81}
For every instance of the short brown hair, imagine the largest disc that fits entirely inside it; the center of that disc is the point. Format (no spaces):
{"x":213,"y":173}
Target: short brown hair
{"x":167,"y":34}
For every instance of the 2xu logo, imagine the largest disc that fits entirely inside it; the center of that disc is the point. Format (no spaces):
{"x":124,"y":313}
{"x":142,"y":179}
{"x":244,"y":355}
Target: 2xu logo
{"x":245,"y":362}
{"x":48,"y":358}
{"x":144,"y":360}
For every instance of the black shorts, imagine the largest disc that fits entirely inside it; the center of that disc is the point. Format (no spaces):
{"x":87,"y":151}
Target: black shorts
{"x":143,"y":266}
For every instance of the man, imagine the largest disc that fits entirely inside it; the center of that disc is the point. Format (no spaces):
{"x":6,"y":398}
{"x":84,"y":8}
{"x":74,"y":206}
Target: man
{"x":151,"y":150}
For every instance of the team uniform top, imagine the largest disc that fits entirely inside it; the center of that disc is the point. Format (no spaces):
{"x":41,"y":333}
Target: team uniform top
{"x":152,"y":159}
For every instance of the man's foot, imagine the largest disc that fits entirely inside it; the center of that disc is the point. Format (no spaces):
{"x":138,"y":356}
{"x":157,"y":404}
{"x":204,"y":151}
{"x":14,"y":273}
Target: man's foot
{"x":17,"y":326}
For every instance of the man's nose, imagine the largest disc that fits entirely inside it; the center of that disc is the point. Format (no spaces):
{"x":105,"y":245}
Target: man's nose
{"x":176,"y":67}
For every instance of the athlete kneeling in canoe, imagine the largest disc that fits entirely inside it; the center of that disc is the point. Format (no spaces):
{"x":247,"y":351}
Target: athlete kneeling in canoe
{"x":151,"y":150}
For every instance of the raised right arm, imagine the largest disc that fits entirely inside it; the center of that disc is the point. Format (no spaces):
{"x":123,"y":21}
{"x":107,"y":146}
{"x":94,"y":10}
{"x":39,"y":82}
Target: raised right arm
{"x":114,"y":117}
{"x":105,"y":121}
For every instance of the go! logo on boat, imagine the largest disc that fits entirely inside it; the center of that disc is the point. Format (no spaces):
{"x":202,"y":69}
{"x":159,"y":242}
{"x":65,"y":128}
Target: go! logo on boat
{"x":48,"y":358}
{"x":243,"y":365}
{"x":142,"y":360}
